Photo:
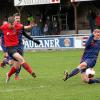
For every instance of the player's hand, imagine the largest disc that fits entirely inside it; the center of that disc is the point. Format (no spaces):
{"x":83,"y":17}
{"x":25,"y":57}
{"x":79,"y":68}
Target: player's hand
{"x":36,"y":41}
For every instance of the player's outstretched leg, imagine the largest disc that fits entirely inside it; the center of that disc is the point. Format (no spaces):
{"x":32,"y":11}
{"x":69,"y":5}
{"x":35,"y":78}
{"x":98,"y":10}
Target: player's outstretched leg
{"x":7,"y":78}
{"x":28,"y":69}
{"x":96,"y":80}
{"x":9,"y":74}
{"x":17,"y":74}
{"x":73,"y":73}
{"x":33,"y":74}
{"x":65,"y":75}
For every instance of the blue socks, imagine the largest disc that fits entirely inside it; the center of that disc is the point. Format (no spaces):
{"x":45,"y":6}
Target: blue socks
{"x":74,"y":72}
{"x":17,"y":71}
{"x":91,"y":81}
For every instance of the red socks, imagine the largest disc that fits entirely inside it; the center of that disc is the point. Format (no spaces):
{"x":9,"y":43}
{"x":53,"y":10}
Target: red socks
{"x":27,"y":67}
{"x":12,"y":71}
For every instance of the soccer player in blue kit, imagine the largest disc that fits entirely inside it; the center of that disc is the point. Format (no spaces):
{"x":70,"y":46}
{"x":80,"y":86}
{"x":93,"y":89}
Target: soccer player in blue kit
{"x":88,"y":59}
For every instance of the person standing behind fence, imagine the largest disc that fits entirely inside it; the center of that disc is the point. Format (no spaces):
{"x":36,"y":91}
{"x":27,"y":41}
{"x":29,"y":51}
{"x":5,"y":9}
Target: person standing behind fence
{"x":48,"y":25}
{"x":36,"y":30}
{"x":55,"y":27}
{"x":45,"y":30}
{"x":91,"y":18}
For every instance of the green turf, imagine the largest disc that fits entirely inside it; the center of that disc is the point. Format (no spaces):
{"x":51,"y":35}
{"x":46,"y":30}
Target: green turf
{"x":49,"y":85}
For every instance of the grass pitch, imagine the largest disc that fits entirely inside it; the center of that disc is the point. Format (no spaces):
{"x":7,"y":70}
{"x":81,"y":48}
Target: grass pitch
{"x":49,"y":85}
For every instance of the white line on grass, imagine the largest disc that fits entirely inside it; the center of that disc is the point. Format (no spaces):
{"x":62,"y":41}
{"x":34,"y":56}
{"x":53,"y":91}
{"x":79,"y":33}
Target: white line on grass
{"x":21,"y":89}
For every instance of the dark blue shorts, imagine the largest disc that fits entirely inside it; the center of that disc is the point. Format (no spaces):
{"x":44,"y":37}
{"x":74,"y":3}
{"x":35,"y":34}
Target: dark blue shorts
{"x":13,"y":49}
{"x":90,"y":62}
{"x":20,"y":49}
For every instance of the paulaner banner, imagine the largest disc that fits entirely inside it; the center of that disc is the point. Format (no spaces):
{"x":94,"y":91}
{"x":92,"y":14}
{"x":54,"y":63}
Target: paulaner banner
{"x":54,"y":43}
{"x":34,"y":2}
{"x":49,"y":43}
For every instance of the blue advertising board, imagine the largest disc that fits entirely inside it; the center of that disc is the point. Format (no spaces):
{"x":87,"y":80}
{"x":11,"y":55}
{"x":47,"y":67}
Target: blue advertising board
{"x":50,"y":43}
{"x":54,"y":42}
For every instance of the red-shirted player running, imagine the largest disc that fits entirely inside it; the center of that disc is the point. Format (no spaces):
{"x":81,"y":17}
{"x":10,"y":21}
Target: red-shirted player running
{"x":11,"y":31}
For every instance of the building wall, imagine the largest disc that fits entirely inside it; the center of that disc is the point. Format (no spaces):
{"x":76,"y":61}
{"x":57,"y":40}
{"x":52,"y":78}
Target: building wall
{"x":7,"y":9}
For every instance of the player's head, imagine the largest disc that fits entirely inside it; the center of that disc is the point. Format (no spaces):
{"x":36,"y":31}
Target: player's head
{"x":11,"y":19}
{"x":96,"y":32}
{"x":17,"y":17}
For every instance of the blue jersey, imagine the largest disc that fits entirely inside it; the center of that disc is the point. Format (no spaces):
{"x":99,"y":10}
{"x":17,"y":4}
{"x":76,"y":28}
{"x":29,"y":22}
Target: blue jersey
{"x":91,"y":51}
{"x":2,"y":43}
{"x":20,"y":45}
{"x":2,"y":38}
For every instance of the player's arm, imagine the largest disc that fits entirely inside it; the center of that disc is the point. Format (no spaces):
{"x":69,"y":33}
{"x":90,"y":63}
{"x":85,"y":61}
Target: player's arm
{"x":30,"y":38}
{"x":90,"y":39}
{"x":28,"y":27}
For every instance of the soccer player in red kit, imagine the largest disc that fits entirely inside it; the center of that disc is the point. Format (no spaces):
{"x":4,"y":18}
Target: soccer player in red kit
{"x":11,"y":31}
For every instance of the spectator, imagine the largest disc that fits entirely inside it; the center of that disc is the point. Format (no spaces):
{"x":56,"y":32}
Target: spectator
{"x":50,"y":26}
{"x":40,"y":24}
{"x":55,"y":26}
{"x":91,"y":18}
{"x":45,"y":29}
{"x":36,"y":30}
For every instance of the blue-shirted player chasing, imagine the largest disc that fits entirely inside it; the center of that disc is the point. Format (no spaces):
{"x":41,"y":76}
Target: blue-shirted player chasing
{"x":88,"y":59}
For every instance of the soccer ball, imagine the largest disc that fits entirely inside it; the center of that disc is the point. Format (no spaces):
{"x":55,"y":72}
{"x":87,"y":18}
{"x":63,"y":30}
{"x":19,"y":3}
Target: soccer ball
{"x":90,"y":72}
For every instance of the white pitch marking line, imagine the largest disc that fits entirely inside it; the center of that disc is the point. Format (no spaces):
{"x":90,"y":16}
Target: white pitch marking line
{"x":21,"y":89}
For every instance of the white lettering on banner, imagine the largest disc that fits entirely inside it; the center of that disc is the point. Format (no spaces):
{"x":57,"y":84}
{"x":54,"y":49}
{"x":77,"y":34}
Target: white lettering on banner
{"x":31,"y":44}
{"x":50,"y":43}
{"x":43,"y":44}
{"x":36,"y":45}
{"x":57,"y":42}
{"x":26,"y":44}
{"x":47,"y":43}
{"x":34,"y":2}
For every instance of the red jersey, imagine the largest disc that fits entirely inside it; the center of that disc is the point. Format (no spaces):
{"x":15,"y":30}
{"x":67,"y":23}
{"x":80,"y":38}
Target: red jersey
{"x":11,"y":34}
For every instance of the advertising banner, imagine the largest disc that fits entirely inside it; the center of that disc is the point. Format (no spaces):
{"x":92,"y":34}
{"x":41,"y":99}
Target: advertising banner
{"x":80,"y":41}
{"x":34,"y":2}
{"x":50,"y":43}
{"x":55,"y":43}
